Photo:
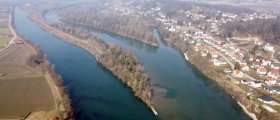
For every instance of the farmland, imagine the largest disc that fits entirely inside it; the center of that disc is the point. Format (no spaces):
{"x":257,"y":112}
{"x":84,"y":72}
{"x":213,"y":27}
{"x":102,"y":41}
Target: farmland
{"x":27,"y":86}
{"x":18,"y":98}
{"x":5,"y":33}
{"x":19,"y":81}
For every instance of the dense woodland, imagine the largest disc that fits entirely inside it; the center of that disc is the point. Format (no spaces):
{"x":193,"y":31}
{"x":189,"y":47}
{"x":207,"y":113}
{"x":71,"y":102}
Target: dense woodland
{"x":125,"y":25}
{"x":268,"y":30}
{"x":121,"y":63}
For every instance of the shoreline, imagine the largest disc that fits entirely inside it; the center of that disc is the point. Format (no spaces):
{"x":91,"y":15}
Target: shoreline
{"x":41,"y":22}
{"x":125,"y":36}
{"x":251,"y":115}
{"x":196,"y":61}
{"x":60,"y":94}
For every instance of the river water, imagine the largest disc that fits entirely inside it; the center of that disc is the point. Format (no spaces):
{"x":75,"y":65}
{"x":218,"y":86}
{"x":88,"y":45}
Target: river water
{"x":181,"y":92}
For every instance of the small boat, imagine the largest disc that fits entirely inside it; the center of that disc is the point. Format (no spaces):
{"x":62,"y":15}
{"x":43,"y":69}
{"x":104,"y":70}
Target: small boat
{"x":186,"y":56}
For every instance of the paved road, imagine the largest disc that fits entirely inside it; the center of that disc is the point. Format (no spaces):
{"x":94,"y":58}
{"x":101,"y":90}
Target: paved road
{"x":232,"y":67}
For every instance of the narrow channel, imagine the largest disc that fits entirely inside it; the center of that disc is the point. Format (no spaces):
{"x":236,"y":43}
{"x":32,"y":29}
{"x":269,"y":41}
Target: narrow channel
{"x":181,"y":92}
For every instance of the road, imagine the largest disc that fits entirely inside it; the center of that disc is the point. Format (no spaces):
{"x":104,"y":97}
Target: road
{"x":232,"y":67}
{"x":274,"y":59}
{"x":13,"y":32}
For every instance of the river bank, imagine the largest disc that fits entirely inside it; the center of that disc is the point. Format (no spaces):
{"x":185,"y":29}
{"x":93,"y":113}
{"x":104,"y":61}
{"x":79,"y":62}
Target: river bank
{"x":63,"y":107}
{"x":100,"y":51}
{"x":38,"y":92}
{"x":212,"y":72}
{"x":122,"y":25}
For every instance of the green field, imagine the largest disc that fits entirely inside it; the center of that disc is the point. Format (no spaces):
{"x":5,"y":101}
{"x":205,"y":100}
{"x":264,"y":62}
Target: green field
{"x":5,"y":31}
{"x":4,"y":41}
{"x":20,"y":96}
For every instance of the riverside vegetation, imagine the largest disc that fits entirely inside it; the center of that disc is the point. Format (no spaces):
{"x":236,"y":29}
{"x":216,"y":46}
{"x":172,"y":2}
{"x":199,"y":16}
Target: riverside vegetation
{"x":133,"y":27}
{"x":63,"y":101}
{"x":122,"y":64}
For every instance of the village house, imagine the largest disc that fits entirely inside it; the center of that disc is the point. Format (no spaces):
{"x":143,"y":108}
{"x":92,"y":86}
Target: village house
{"x":255,"y":84}
{"x":237,"y":73}
{"x":272,"y":90}
{"x":275,"y":66}
{"x":274,"y":73}
{"x":244,"y":67}
{"x":262,"y":70}
{"x":266,"y":62}
{"x":256,"y":64}
{"x":227,"y":70}
{"x":268,"y":47}
{"x":271,"y":81}
{"x":219,"y":62}
{"x":245,"y":82}
{"x":266,"y":99}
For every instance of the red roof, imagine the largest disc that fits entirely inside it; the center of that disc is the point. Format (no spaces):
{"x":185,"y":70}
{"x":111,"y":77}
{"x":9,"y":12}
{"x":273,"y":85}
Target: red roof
{"x":274,"y":71}
{"x":271,"y":79}
{"x":262,"y":69}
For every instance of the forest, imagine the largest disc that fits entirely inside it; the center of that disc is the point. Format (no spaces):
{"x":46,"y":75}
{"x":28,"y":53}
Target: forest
{"x":123,"y":64}
{"x":266,"y":29}
{"x":133,"y":27}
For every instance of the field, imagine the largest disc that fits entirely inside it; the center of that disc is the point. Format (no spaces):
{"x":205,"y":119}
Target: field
{"x":18,"y":98}
{"x":4,"y":41}
{"x":23,"y":89}
{"x":5,"y":32}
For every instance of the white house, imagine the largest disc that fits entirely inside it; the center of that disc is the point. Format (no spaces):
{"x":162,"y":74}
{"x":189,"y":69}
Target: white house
{"x":237,"y":73}
{"x":268,"y":47}
{"x":245,"y":82}
{"x":255,"y":84}
{"x":244,"y":67}
{"x":275,"y":66}
{"x":219,"y":62}
{"x":271,"y":81}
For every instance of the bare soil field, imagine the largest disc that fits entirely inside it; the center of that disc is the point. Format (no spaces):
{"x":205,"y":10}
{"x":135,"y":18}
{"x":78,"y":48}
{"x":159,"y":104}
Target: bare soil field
{"x":16,"y":53}
{"x":23,"y":89}
{"x":18,"y":97}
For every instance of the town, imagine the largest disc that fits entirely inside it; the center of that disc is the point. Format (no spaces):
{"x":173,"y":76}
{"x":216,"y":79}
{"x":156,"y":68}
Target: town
{"x":249,"y":62}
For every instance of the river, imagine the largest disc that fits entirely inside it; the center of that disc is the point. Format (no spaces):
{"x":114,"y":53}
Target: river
{"x":181,"y":92}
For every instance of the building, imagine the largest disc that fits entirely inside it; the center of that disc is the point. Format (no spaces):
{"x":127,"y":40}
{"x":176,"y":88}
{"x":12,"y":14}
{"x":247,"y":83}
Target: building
{"x":255,"y":84}
{"x":262,"y":70}
{"x":227,"y":70}
{"x":237,"y":73}
{"x":266,"y":99}
{"x":273,"y":73}
{"x":245,"y":82}
{"x":272,"y":90}
{"x":244,"y":67}
{"x":271,"y":81}
{"x":268,"y":47}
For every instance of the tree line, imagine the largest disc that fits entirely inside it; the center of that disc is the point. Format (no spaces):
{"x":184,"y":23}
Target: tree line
{"x":267,"y":29}
{"x":133,"y":27}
